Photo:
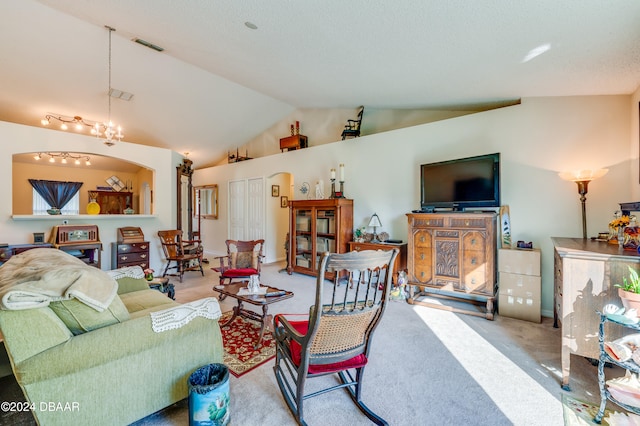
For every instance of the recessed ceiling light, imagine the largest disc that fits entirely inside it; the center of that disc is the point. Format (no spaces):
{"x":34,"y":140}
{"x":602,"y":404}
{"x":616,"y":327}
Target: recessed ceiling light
{"x":251,"y":25}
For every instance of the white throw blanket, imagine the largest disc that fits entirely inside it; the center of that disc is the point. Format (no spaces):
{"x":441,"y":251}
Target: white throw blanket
{"x":177,"y":316}
{"x":36,"y":277}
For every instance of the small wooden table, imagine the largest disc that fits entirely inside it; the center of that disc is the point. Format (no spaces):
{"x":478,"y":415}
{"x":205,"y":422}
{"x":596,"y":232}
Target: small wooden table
{"x":232,"y":290}
{"x":163,"y":285}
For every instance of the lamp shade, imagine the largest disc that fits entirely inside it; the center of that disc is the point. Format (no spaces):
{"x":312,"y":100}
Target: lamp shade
{"x":583,"y":175}
{"x":375,"y":220}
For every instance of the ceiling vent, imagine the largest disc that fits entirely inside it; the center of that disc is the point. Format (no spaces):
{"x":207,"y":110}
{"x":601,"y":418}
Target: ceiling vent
{"x":149,"y":45}
{"x":119,"y":94}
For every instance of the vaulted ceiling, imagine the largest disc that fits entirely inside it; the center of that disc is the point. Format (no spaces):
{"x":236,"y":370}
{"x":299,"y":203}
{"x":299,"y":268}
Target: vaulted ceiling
{"x":219,"y":83}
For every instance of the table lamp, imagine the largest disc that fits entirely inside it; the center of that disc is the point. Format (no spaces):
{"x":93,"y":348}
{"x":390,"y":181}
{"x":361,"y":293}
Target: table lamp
{"x":582,"y":179}
{"x":375,"y":222}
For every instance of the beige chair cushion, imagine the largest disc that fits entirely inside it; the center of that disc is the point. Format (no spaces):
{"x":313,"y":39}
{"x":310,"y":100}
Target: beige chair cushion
{"x":239,"y":260}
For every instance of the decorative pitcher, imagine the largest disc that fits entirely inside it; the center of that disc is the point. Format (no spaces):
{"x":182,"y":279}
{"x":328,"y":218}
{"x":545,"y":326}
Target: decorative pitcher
{"x":254,"y":284}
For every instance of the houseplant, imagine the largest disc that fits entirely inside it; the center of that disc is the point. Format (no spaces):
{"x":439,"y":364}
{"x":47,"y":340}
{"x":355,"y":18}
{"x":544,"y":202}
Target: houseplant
{"x":629,"y":290}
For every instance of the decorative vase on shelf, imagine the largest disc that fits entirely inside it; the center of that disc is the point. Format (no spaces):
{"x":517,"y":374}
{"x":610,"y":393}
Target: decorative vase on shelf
{"x":53,"y":211}
{"x":148,"y":277}
{"x":631,"y":235}
{"x":93,"y":207}
{"x":620,"y":238}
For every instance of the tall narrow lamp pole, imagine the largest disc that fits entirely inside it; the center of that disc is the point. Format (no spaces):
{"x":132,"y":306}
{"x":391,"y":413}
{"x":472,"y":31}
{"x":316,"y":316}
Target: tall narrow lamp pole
{"x":582,"y":179}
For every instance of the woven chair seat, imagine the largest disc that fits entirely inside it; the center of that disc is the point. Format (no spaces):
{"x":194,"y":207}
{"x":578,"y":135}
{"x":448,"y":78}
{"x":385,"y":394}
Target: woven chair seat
{"x":295,"y":348}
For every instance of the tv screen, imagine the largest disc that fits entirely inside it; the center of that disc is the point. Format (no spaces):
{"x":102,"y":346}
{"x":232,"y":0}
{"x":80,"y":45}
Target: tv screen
{"x":462,"y":183}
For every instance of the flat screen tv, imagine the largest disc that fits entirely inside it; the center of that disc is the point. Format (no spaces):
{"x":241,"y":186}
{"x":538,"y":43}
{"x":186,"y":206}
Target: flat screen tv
{"x":460,"y":184}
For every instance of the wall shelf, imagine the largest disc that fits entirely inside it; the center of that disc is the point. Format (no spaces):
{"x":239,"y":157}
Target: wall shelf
{"x":60,"y":217}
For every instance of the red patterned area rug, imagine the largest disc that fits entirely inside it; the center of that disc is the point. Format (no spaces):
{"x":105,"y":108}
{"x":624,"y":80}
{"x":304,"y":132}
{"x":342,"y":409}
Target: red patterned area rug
{"x":238,"y":339}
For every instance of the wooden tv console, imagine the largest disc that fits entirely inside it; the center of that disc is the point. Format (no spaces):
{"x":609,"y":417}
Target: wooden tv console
{"x":452,"y":255}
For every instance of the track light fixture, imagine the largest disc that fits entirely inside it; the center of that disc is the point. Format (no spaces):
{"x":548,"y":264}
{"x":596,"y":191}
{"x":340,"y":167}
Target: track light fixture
{"x":63,"y":157}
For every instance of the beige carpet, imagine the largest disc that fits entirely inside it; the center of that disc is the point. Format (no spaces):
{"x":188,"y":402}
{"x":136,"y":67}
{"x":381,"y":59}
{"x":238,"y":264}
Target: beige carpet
{"x":427,"y":367}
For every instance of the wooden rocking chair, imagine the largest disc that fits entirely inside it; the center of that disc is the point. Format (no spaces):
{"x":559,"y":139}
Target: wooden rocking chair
{"x":186,"y":254}
{"x":336,"y":336}
{"x":352,"y":128}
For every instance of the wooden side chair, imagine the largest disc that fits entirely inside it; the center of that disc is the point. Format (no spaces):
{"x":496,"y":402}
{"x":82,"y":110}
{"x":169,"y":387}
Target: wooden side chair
{"x":186,"y":254}
{"x":352,"y":128}
{"x":336,"y":336}
{"x":243,"y":259}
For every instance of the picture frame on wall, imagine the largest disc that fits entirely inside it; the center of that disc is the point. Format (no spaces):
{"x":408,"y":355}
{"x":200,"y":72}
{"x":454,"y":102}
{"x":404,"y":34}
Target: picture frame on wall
{"x":275,"y":190}
{"x":284,"y":201}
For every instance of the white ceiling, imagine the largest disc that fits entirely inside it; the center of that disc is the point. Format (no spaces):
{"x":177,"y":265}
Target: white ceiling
{"x":218,"y":83}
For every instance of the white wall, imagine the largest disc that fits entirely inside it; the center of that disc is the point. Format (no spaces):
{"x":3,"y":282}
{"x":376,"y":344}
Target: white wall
{"x":536,"y":139}
{"x":16,"y":139}
{"x":322,"y":125}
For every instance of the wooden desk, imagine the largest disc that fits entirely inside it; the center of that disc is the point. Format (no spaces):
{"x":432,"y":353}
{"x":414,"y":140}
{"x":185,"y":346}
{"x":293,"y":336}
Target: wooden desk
{"x":13,"y":249}
{"x":81,"y":241}
{"x":585,"y":273}
{"x":401,"y":260}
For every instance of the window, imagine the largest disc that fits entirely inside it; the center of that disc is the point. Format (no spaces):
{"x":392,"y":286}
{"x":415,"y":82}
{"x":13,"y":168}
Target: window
{"x":40,"y":206}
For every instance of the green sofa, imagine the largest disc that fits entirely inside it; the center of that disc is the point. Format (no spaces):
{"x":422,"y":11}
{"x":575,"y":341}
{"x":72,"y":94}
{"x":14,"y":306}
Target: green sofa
{"x":113,"y":375}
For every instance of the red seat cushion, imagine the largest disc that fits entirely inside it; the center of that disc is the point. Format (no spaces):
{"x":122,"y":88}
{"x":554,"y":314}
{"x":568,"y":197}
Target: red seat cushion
{"x":235,"y":273}
{"x":355,"y":362}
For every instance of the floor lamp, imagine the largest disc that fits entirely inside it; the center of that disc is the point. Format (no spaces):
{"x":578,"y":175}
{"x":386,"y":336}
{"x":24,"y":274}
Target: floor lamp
{"x":582,"y":179}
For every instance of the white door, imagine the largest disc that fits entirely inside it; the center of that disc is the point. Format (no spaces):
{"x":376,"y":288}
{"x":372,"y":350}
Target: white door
{"x":255,"y":209}
{"x":237,"y":209}
{"x":246,"y":209}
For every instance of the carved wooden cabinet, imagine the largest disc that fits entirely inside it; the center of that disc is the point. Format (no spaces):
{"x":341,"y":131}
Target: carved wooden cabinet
{"x":130,"y":254}
{"x":112,"y":202}
{"x":317,"y":226}
{"x":453,"y":255}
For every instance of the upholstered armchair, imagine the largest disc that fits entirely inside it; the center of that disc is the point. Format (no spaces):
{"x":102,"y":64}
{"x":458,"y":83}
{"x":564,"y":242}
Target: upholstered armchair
{"x":243,"y":259}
